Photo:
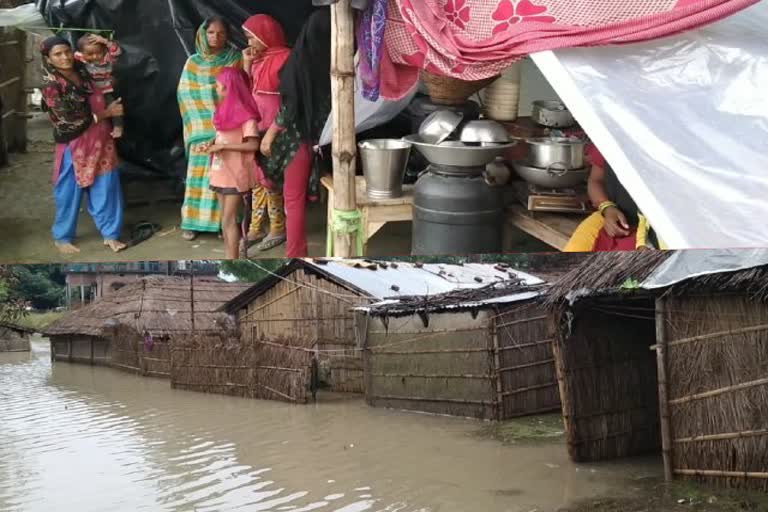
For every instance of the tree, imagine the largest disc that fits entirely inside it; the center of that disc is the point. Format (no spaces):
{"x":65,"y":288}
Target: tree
{"x":12,"y":307}
{"x":41,"y":286}
{"x":252,"y":271}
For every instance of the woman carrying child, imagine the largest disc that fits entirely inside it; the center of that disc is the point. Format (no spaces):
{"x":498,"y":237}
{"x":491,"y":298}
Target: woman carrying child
{"x":233,"y":152}
{"x":263,"y":60}
{"x":85,"y":162}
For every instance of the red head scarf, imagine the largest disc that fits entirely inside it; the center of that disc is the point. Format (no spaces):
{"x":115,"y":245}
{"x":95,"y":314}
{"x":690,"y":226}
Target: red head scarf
{"x":238,"y":106}
{"x":266,"y":69}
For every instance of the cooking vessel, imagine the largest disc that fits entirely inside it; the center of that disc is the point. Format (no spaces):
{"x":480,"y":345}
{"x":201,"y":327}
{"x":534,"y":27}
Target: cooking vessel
{"x":556,"y":152}
{"x":552,"y":114}
{"x":484,"y":132}
{"x":439,"y":126}
{"x":552,"y":177}
{"x":384,"y":166}
{"x":457,"y":154}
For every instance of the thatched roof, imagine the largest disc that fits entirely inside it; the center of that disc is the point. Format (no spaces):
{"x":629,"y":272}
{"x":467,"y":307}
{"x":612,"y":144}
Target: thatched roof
{"x":701,"y":271}
{"x":160,"y":305}
{"x":605,"y":273}
{"x":16,"y":327}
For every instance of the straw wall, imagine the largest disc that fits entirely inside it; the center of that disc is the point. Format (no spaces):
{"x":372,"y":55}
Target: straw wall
{"x":443,"y":368}
{"x":223,"y":364}
{"x":718,"y":389}
{"x":525,"y":365}
{"x":313,"y":313}
{"x":81,"y":349}
{"x":607,"y":377}
{"x":13,"y":96}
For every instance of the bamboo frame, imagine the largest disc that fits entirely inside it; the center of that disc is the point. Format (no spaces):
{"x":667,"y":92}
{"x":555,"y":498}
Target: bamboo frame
{"x":433,"y":351}
{"x":497,"y":372}
{"x":720,"y":391}
{"x":661,"y":362}
{"x":343,"y":114}
{"x":720,"y":335}
{"x":522,"y":321}
{"x":529,"y":388}
{"x":524,"y":366}
{"x":467,"y":376}
{"x":434,"y":400}
{"x":722,"y":437}
{"x":726,"y":474}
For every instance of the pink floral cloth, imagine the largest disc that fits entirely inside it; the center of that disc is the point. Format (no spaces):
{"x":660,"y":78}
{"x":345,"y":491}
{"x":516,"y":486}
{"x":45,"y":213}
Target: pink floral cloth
{"x":93,"y":153}
{"x":477,"y":39}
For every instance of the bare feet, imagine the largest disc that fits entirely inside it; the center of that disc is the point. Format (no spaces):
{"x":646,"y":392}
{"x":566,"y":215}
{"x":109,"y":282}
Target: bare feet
{"x":67,"y":248}
{"x":115,"y":245}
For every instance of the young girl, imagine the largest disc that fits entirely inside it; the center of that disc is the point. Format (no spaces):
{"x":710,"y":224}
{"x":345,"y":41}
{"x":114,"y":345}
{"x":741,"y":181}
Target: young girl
{"x":263,"y":60}
{"x":233,"y":152}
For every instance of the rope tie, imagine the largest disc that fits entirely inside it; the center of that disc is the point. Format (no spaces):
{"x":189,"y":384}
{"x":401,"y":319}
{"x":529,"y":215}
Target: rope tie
{"x":347,"y":223}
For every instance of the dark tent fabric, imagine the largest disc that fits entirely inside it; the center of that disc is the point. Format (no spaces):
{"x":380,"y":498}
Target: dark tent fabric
{"x":157,"y":36}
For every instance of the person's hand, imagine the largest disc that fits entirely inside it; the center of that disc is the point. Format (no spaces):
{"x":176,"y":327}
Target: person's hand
{"x":203,"y":146}
{"x":215,"y":148}
{"x":97,"y":39}
{"x":117,"y":132}
{"x":615,"y":223}
{"x":115,"y":109}
{"x":248,"y":55}
{"x":266,"y":145}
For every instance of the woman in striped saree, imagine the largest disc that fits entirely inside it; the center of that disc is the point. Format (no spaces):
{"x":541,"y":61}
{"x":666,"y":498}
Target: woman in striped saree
{"x":201,"y":212}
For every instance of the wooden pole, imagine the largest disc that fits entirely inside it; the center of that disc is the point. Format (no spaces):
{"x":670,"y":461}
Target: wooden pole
{"x":661,"y":362}
{"x":497,"y":371}
{"x":343,"y":102}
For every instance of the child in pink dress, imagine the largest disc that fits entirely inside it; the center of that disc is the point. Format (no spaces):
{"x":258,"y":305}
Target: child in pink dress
{"x":233,"y":152}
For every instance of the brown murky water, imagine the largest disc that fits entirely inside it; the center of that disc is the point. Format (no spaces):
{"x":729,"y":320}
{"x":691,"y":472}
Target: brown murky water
{"x":76,"y":438}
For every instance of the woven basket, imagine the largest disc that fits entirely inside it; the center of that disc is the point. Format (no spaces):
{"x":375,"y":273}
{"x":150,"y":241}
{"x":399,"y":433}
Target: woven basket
{"x":444,"y":90}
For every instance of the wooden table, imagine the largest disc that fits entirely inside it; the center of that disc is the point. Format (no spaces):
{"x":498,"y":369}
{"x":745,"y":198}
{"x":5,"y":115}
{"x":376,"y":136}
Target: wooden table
{"x":376,"y":212}
{"x":554,"y":229}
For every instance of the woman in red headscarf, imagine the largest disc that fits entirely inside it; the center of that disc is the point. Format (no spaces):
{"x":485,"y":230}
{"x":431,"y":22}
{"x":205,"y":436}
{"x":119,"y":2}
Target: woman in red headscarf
{"x":265,"y":56}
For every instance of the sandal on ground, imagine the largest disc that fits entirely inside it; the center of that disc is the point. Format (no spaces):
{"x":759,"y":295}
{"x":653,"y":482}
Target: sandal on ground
{"x":255,"y":238}
{"x":143,"y":231}
{"x":189,"y":236}
{"x":270,"y":242}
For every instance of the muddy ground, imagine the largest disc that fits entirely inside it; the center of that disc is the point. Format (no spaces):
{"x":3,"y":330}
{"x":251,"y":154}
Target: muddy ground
{"x":27,"y":213}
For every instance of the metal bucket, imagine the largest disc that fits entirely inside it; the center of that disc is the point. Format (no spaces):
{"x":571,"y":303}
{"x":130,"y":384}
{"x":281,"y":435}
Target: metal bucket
{"x":384,"y":164}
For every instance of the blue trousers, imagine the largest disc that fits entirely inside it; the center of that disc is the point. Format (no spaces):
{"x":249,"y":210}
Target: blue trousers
{"x":105,"y":203}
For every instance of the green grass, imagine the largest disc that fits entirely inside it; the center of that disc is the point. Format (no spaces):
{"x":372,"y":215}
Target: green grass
{"x":678,"y":497}
{"x":531,"y":429}
{"x":40,"y":320}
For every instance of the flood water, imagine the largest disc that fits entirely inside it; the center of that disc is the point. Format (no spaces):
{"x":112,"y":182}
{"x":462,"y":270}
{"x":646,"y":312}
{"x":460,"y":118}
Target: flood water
{"x":76,"y":438}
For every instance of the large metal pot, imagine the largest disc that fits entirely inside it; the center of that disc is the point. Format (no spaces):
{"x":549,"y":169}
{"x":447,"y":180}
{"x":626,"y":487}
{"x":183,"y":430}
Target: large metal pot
{"x":553,"y":114}
{"x":552,"y":177}
{"x":549,"y":152}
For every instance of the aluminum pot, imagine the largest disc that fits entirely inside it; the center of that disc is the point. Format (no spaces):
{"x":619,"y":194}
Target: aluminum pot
{"x":552,"y":178}
{"x":384,"y":166}
{"x":552,"y":114}
{"x":548,"y":152}
{"x":439,"y":126}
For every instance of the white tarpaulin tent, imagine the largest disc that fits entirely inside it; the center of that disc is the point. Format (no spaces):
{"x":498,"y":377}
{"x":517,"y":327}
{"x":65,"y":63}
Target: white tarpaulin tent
{"x":684,"y":265}
{"x":684,"y":123}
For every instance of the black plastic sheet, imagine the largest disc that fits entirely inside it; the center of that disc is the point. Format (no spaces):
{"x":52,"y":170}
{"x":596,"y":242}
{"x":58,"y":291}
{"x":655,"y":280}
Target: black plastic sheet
{"x":157,"y":36}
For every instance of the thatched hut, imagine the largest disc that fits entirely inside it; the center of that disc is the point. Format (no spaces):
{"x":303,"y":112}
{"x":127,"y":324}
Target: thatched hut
{"x":302,"y":316}
{"x":131,"y":329}
{"x":702,"y":397}
{"x":14,"y":338}
{"x":480,"y":353}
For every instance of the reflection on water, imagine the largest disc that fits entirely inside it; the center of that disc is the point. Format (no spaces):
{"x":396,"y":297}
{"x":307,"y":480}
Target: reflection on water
{"x":76,"y":438}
